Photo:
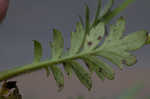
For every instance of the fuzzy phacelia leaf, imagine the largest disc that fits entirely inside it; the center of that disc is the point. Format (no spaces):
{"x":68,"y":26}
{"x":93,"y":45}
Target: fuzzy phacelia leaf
{"x":58,"y":75}
{"x":57,"y":45}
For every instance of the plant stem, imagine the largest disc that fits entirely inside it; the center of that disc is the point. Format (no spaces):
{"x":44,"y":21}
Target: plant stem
{"x":7,"y":74}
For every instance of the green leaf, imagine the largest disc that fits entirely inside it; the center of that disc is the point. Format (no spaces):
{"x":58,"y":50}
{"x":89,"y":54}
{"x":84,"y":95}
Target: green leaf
{"x":37,"y":51}
{"x":82,"y":75}
{"x":126,"y":57}
{"x":94,"y":37}
{"x":116,"y":31}
{"x":118,"y":57}
{"x":86,"y":44}
{"x":106,"y":9}
{"x":134,"y":41}
{"x":92,"y":67}
{"x":131,"y":42}
{"x":116,"y":11}
{"x":57,"y":45}
{"x":105,"y":69}
{"x":58,"y":75}
{"x":68,"y":69}
{"x":112,"y":57}
{"x":102,"y":67}
{"x":87,"y":19}
{"x":76,"y":44}
{"x":38,"y":54}
{"x":129,"y":59}
{"x":97,"y":13}
{"x":118,"y":48}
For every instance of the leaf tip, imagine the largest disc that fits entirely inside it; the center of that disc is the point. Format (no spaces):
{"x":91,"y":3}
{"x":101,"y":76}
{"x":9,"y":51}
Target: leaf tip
{"x":130,"y":62}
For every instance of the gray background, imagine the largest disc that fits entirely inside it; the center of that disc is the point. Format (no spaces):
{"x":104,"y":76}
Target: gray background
{"x":29,"y":20}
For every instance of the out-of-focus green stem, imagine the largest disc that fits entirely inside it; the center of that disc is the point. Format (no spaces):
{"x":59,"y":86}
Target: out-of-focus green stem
{"x":117,"y":10}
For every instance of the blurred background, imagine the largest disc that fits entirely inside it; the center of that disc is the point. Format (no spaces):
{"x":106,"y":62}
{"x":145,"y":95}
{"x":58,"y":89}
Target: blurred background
{"x":29,"y":20}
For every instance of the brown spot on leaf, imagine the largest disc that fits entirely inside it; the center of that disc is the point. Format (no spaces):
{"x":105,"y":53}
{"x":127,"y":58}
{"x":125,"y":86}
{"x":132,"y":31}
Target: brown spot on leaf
{"x":89,"y":43}
{"x":99,"y":38}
